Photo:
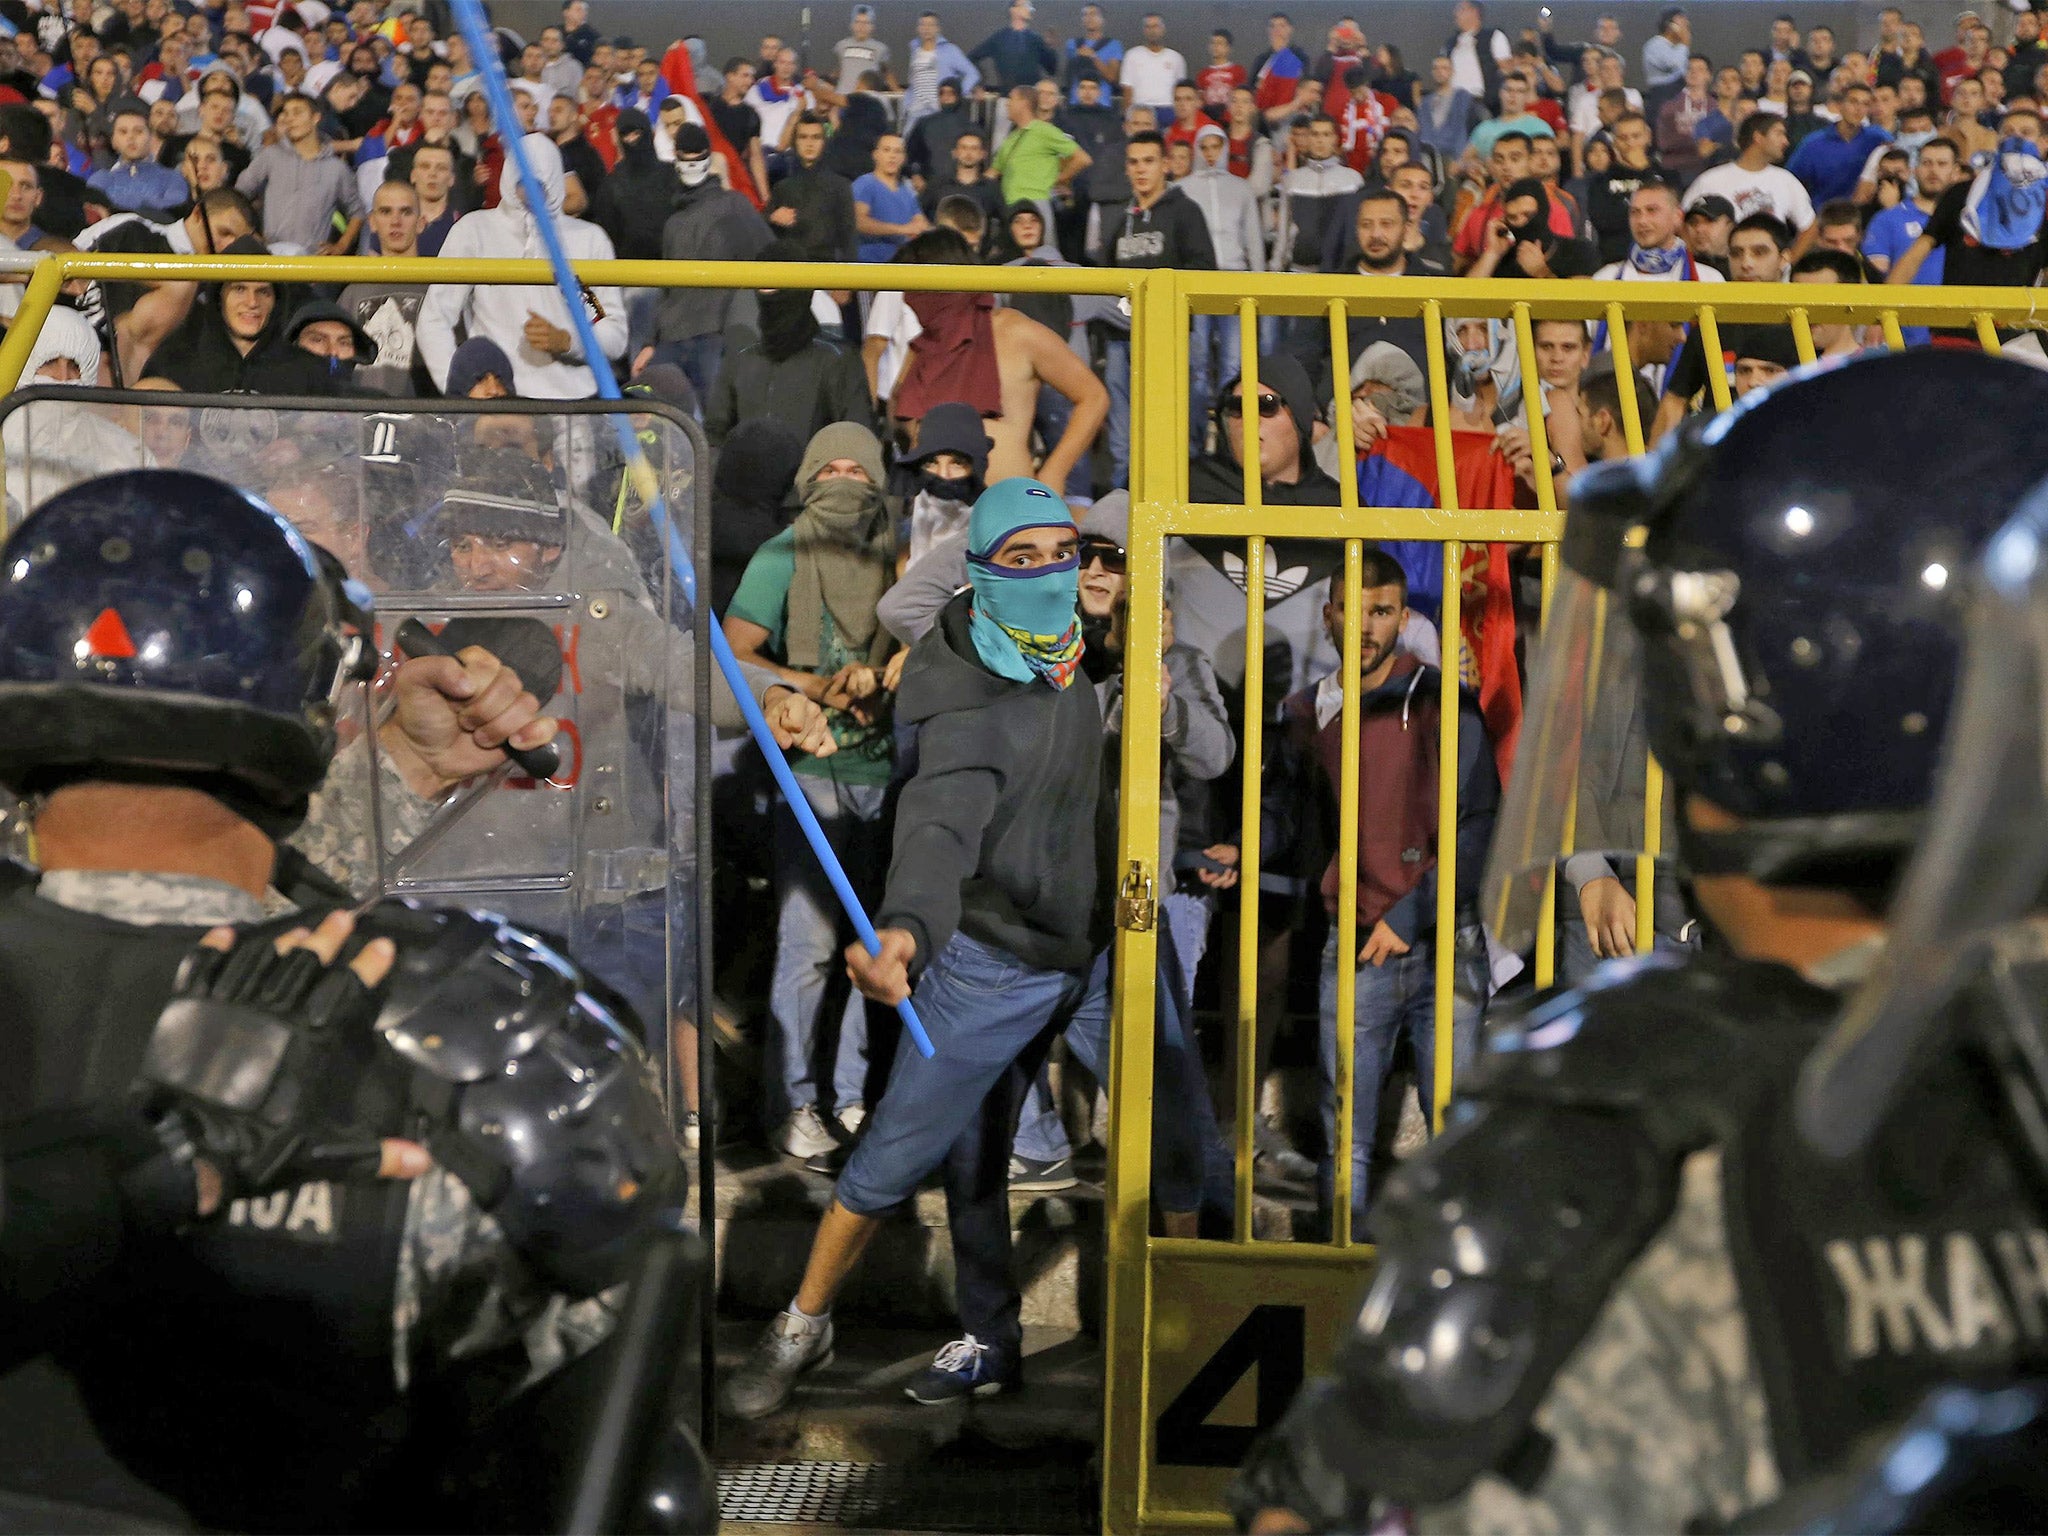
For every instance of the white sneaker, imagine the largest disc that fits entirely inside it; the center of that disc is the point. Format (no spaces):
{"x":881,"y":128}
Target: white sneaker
{"x":852,"y":1118}
{"x":804,"y":1135}
{"x":692,"y":1132}
{"x":791,"y":1347}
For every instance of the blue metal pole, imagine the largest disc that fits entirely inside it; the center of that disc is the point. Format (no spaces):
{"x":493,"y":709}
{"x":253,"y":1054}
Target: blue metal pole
{"x":483,"y":48}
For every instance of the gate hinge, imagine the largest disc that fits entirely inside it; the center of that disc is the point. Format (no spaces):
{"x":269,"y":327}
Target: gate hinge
{"x":1135,"y":907}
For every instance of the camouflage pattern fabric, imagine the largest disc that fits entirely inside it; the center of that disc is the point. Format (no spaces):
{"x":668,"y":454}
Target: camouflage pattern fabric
{"x":336,"y":832}
{"x":1659,"y":1418}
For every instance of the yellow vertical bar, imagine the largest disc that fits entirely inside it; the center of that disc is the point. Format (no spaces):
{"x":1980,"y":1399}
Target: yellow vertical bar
{"x":1156,"y":309}
{"x":1712,"y":357}
{"x":1987,"y":338}
{"x":1345,"y":1038}
{"x":37,"y":299}
{"x":1653,"y":775}
{"x":1802,"y":336}
{"x":1447,"y":701}
{"x":1546,"y":499}
{"x":1894,"y":338}
{"x":1346,"y":1022}
{"x":1252,"y":756}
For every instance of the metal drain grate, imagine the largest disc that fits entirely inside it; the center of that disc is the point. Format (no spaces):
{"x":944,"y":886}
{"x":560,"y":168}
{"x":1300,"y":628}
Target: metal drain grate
{"x":868,"y":1496}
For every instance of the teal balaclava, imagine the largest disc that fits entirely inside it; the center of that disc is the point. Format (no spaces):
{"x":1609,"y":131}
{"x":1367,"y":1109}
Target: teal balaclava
{"x":1023,"y":621}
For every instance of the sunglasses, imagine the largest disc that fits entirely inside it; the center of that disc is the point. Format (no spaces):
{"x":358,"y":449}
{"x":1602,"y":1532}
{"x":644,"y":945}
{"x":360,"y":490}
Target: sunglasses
{"x":1111,"y":555}
{"x":1269,"y":405}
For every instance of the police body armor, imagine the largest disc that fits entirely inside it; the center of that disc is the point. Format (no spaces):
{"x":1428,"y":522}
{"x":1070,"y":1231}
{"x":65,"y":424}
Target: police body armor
{"x":270,"y":1331}
{"x":1501,"y":1243}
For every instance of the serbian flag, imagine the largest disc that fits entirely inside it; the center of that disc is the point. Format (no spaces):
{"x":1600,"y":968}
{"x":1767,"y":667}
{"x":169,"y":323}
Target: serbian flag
{"x":1277,"y":78}
{"x":1401,"y":472}
{"x":680,"y":70}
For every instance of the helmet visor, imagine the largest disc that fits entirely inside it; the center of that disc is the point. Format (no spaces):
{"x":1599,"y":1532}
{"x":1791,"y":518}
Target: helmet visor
{"x":1577,"y":798}
{"x":1978,"y":872}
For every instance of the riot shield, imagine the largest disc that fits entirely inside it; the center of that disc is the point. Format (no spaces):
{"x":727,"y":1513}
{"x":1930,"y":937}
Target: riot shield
{"x":510,"y":525}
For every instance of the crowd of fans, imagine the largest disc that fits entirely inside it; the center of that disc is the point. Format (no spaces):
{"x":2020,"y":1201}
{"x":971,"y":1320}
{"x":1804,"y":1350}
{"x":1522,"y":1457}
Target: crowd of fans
{"x":854,"y":430}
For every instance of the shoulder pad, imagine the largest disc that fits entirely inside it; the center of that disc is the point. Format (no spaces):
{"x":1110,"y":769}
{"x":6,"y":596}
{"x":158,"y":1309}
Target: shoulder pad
{"x":1684,"y":1045}
{"x":469,"y":992}
{"x":1497,"y":1247}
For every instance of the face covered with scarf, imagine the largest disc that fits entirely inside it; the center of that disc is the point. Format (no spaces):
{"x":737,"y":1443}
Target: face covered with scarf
{"x":1023,"y":567}
{"x":845,"y":550}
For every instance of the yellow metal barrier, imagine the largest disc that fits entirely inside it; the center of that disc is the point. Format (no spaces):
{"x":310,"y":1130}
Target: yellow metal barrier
{"x":1206,"y":1339}
{"x":1220,"y":1331}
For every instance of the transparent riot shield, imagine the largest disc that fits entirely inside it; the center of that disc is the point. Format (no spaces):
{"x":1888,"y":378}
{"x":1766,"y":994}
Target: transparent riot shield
{"x":1573,"y":852}
{"x":509,"y":525}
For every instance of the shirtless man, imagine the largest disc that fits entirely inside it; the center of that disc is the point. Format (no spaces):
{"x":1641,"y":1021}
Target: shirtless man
{"x":1028,"y":356}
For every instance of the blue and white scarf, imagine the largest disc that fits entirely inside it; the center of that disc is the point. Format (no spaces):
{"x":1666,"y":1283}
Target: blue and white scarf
{"x":2007,"y":199}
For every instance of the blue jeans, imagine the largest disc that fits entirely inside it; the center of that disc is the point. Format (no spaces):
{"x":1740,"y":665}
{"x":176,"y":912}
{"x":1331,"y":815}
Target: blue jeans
{"x":1394,"y":998}
{"x":983,"y":1008}
{"x":1214,"y":356}
{"x":1575,"y":958}
{"x":1117,"y":375}
{"x":698,"y":357}
{"x":626,"y":946}
{"x":810,"y":932}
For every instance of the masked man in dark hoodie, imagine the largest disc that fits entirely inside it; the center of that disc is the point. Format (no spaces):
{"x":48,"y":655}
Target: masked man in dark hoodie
{"x":707,"y":222}
{"x":995,"y":895}
{"x":792,"y":373}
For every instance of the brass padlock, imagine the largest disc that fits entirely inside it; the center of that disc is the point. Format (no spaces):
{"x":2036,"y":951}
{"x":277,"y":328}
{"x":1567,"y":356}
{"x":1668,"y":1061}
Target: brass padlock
{"x":1135,"y":907}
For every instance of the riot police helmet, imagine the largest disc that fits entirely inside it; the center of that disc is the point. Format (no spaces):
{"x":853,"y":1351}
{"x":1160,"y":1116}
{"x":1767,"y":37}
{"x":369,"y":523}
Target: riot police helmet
{"x":160,"y":624}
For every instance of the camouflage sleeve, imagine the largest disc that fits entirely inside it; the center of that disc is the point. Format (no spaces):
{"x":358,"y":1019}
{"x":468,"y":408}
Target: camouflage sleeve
{"x":336,"y":833}
{"x":462,"y":1292}
{"x":1659,"y":1418}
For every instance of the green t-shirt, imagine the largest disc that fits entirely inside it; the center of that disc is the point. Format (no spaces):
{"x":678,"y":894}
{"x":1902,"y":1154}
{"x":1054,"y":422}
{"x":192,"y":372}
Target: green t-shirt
{"x":865,"y":752}
{"x":1029,"y":161}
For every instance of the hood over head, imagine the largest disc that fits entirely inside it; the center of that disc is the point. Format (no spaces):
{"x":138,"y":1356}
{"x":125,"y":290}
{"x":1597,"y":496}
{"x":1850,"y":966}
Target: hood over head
{"x":758,"y":464}
{"x":545,"y":157}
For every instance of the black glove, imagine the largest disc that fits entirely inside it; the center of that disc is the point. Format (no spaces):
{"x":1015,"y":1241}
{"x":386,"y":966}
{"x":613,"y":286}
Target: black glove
{"x":254,"y":1063}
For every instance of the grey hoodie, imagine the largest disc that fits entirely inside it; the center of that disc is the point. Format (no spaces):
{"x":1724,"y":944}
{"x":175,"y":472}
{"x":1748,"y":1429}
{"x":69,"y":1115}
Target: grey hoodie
{"x":1236,"y":229}
{"x":1001,"y":833}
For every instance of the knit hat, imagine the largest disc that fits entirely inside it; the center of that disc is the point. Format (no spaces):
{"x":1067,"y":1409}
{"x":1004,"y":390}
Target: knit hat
{"x":664,"y":382}
{"x":475,"y":358}
{"x":691,"y":140}
{"x":952,"y":428}
{"x":841,"y":440}
{"x":501,"y":493}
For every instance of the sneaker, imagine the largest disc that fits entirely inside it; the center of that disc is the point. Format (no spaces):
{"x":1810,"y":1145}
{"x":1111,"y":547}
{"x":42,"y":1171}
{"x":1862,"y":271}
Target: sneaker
{"x":804,"y":1135}
{"x":691,"y":1131}
{"x":965,"y":1368}
{"x":851,"y":1118}
{"x":1030,"y":1176}
{"x":792,"y":1346}
{"x":1272,"y":1148}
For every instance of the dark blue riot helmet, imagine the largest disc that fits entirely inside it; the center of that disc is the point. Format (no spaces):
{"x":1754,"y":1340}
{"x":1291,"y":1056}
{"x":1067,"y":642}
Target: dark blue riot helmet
{"x":1798,"y":594}
{"x":162,"y":624}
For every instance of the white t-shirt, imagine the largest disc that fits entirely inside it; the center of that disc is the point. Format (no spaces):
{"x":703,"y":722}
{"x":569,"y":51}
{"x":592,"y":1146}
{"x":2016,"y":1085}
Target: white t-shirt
{"x":1466,"y":74}
{"x":890,"y":318}
{"x":775,"y":115}
{"x":1150,"y":77}
{"x":1773,"y":190}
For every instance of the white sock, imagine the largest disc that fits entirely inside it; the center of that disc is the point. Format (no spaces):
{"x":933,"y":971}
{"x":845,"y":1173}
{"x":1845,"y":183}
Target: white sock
{"x":810,"y":1322}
